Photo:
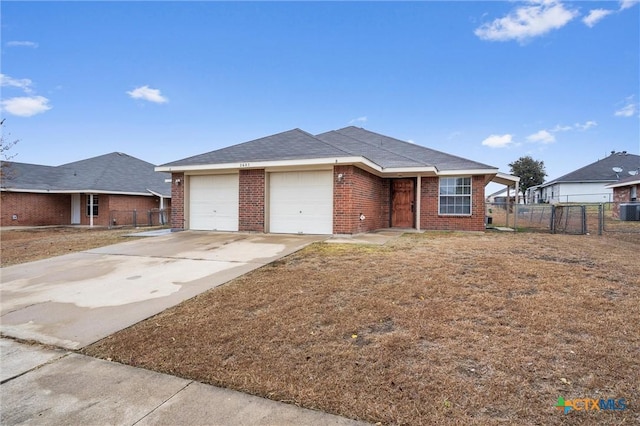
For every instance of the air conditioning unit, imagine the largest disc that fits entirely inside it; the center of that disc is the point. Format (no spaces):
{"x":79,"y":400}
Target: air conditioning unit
{"x":630,"y":211}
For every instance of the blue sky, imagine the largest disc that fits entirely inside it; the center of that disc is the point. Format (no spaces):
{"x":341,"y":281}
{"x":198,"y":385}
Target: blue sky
{"x":489,"y":81}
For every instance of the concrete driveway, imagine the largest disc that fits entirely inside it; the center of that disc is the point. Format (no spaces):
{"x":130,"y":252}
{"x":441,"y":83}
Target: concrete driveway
{"x":74,"y":300}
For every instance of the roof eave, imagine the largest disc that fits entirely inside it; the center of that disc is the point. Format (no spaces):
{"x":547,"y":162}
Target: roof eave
{"x":327,"y":161}
{"x":76,"y":191}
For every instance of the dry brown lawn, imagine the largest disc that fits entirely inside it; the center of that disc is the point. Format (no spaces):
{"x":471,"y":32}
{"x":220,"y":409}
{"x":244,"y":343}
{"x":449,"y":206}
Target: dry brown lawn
{"x":29,"y":244}
{"x":435,"y":328}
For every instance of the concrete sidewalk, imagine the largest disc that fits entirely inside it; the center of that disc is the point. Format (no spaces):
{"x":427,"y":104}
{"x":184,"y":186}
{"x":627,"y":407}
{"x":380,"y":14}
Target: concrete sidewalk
{"x":57,"y":387}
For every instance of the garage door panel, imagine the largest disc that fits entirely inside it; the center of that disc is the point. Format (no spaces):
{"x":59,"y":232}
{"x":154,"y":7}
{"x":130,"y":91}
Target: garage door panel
{"x":213,"y":202}
{"x":301,"y":202}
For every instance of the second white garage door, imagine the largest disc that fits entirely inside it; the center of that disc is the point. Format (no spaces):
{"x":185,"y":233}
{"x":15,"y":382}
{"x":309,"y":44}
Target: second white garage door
{"x":213,"y":202}
{"x":301,"y":202}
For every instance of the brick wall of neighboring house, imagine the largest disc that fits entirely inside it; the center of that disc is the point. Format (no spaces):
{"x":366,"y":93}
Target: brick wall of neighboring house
{"x":177,"y":202}
{"x":102,"y":219}
{"x":431,"y":220}
{"x":35,"y":209}
{"x":357,"y":193}
{"x":251,"y":200}
{"x":621,"y":195}
{"x":121,"y":208}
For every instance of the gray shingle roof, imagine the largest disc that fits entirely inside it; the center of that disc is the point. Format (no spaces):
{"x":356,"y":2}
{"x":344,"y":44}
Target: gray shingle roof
{"x":602,"y":170}
{"x":297,"y":144}
{"x":294,"y":144}
{"x":396,"y":153}
{"x":114,"y":173}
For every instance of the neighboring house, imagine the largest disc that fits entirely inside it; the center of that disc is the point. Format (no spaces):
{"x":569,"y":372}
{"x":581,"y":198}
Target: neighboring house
{"x":589,"y":184}
{"x":339,"y":182}
{"x":500,"y":197}
{"x":80,"y":193}
{"x":625,"y":191}
{"x":534,"y":194}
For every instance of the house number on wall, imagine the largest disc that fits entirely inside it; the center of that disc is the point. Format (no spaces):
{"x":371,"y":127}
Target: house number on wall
{"x":244,"y":164}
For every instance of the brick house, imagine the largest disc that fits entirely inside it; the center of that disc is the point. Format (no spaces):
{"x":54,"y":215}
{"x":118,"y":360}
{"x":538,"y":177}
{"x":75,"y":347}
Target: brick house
{"x":85,"y":192}
{"x":339,"y":182}
{"x":625,"y":191}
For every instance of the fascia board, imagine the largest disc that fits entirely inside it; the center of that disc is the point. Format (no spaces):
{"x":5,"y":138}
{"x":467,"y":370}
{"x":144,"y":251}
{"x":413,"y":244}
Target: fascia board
{"x":270,"y":164}
{"x":73,"y":191}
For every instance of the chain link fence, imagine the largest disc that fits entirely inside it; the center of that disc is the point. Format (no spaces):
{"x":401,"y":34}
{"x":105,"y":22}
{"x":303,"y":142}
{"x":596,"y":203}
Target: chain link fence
{"x":577,"y":219}
{"x":137,"y":218}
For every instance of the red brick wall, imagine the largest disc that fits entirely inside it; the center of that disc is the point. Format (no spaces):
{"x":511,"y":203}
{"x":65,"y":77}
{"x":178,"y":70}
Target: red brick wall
{"x":431,"y":220}
{"x":251,"y":200}
{"x":35,"y":209}
{"x":359,"y":192}
{"x":55,"y":209}
{"x":621,"y":195}
{"x":121,"y":209}
{"x":177,"y":202}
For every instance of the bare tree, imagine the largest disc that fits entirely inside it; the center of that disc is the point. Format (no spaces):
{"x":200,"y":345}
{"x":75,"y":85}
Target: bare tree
{"x":5,"y":147}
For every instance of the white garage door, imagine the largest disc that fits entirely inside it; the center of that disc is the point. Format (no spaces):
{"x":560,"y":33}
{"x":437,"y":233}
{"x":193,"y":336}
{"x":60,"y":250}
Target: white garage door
{"x":301,"y":202}
{"x":213,"y":202}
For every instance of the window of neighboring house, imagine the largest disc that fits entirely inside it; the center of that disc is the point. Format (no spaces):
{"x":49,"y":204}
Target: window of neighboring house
{"x":634,"y":193}
{"x":95,"y":205}
{"x":455,"y":195}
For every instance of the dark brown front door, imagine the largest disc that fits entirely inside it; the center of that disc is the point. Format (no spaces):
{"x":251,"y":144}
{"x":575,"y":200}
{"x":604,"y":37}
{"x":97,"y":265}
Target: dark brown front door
{"x":402,"y":203}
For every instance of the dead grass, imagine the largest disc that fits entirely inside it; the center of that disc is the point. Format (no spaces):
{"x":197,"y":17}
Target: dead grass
{"x":436,"y":328}
{"x":29,"y":244}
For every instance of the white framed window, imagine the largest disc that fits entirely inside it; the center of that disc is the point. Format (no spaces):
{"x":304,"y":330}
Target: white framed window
{"x":455,"y":196}
{"x":634,"y":193}
{"x":95,"y":205}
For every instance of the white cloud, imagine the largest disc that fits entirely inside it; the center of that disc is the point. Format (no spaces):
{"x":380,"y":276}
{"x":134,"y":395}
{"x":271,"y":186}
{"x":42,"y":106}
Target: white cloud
{"x":560,"y":128}
{"x":586,"y":125}
{"x":542,"y":136}
{"x":535,"y":19}
{"x":148,"y":94}
{"x":22,"y":83}
{"x":628,"y":110}
{"x":31,"y":44}
{"x":26,"y":106}
{"x":358,"y":120}
{"x":498,"y":141}
{"x":595,"y":16}
{"x":626,"y":4}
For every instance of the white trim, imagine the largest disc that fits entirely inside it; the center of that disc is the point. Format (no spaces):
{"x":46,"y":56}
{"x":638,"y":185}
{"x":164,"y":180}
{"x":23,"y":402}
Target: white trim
{"x":157,"y":194}
{"x":621,"y":184}
{"x":306,"y":163}
{"x":80,"y":191}
{"x":506,"y":179}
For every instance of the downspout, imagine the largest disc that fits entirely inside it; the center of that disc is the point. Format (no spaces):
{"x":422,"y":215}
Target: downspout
{"x":91,"y":210}
{"x":418,"y":199}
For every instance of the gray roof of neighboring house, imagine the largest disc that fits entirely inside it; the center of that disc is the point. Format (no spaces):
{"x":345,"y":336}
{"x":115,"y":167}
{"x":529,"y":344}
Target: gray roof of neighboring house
{"x":112,"y":173}
{"x":602,"y":170}
{"x":297,"y":144}
{"x":628,"y":181}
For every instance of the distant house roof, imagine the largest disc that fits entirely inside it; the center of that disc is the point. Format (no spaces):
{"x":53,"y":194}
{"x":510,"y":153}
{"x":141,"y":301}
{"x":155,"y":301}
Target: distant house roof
{"x":602,"y":170}
{"x":110,"y":173}
{"x":350,"y":144}
{"x":628,"y":181}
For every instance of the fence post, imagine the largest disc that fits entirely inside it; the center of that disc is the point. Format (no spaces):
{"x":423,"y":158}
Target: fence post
{"x":552,"y":225}
{"x":600,"y":218}
{"x":135,"y":218}
{"x":584,"y":220}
